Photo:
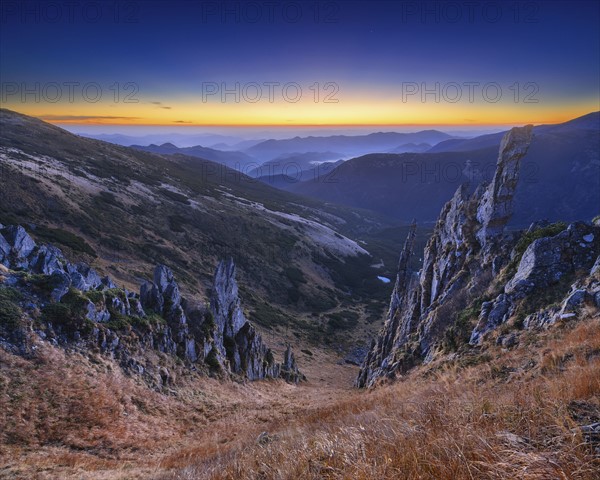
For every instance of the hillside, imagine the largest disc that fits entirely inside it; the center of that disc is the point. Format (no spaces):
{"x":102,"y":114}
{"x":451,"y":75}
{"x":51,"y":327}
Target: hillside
{"x":125,"y":211}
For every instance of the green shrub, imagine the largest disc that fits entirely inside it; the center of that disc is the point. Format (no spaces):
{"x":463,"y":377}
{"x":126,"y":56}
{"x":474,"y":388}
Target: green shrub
{"x":294,"y":275}
{"x":268,"y":316}
{"x":64,"y":237}
{"x":95,"y":296}
{"x":63,"y":316}
{"x":344,"y":320}
{"x":459,"y":333}
{"x":119,"y":321}
{"x":9,"y":293}
{"x":212,"y":359}
{"x":10,"y":313}
{"x":42,"y":283}
{"x":529,"y":237}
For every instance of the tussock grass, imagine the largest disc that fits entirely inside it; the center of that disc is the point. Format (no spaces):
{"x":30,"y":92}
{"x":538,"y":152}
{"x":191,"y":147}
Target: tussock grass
{"x":454,"y":424}
{"x":515,"y":416}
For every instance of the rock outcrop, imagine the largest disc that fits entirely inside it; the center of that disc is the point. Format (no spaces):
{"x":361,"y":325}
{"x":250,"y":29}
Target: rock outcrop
{"x":403,"y":310}
{"x":19,"y":251}
{"x":289,"y":368}
{"x":79,"y":309}
{"x":431,"y":310}
{"x":496,"y":205}
{"x":546,"y":263}
{"x":466,"y":252}
{"x":238,"y":345}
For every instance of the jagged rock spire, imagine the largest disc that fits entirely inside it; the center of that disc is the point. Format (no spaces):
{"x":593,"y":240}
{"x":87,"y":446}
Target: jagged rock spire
{"x":402,"y":277}
{"x":225,"y":302}
{"x":238,"y":345}
{"x":457,"y":253}
{"x":495,"y":207}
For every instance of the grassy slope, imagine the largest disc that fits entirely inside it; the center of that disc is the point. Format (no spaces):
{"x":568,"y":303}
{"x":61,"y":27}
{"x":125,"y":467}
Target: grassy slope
{"x":492,"y":415}
{"x":133,"y":209}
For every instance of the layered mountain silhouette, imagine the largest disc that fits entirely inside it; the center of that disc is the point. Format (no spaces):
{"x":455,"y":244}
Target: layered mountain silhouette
{"x":562,"y":158}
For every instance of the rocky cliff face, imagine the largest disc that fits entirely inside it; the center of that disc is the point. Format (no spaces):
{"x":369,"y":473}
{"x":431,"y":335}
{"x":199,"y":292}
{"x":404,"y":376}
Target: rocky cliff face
{"x":69,"y":304}
{"x":236,"y":343}
{"x":468,"y":258}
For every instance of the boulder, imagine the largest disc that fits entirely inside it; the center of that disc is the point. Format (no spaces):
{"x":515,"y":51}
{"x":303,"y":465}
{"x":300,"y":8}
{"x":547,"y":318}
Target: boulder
{"x":47,"y":260}
{"x":492,"y":315}
{"x":547,"y":260}
{"x":4,"y":251}
{"x":21,"y":245}
{"x":83,"y":277}
{"x":61,"y":282}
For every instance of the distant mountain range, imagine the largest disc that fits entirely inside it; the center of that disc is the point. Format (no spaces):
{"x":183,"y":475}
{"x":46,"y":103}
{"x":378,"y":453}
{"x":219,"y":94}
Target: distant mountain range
{"x":232,"y":159}
{"x":258,"y":159}
{"x":560,"y":178}
{"x":220,"y":142}
{"x":346,"y":145}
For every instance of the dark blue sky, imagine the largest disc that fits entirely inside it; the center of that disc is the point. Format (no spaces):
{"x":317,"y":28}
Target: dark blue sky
{"x":368,"y":49}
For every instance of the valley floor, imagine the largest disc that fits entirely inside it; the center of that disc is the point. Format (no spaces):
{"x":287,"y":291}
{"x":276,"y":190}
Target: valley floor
{"x":492,"y":414}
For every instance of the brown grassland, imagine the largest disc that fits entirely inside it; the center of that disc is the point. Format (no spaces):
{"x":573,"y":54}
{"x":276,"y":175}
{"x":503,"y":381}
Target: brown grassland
{"x":495,"y":414}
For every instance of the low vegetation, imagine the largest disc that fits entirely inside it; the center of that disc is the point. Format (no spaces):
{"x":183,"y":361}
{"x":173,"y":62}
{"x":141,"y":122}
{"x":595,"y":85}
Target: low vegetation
{"x":451,"y":419}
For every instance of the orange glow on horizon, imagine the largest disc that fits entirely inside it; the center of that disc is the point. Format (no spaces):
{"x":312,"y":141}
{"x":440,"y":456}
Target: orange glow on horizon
{"x":352,"y":113}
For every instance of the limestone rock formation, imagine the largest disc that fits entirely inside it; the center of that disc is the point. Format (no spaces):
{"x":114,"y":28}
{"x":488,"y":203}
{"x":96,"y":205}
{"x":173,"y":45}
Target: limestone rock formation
{"x":238,"y":345}
{"x":544,"y":264}
{"x":549,"y":259}
{"x":289,"y":368}
{"x":19,"y":251}
{"x":495,"y":208}
{"x":79,"y":309}
{"x":458,"y":259}
{"x":464,"y":256}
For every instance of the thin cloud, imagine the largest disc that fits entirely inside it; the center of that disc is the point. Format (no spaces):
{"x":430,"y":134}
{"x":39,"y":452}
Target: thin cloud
{"x":84,"y":117}
{"x":180,"y":121}
{"x":160,"y":105}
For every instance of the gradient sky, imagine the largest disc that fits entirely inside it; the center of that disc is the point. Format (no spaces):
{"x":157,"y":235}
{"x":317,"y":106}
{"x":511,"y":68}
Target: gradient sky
{"x":165,"y":53}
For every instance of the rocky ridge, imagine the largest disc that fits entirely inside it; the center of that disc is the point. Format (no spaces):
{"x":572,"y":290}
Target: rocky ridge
{"x":47,"y":297}
{"x":473,"y":267}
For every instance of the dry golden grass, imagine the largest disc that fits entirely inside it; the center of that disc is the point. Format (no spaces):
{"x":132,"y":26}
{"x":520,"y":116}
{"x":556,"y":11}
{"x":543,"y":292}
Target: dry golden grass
{"x":476,"y":423}
{"x":514,"y":416}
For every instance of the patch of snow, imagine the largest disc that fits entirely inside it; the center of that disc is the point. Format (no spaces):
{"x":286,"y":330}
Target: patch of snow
{"x":320,"y":234}
{"x":589,"y":238}
{"x":384,"y":279}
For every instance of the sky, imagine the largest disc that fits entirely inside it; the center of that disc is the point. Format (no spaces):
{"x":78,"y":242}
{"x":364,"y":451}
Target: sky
{"x":296,"y":63}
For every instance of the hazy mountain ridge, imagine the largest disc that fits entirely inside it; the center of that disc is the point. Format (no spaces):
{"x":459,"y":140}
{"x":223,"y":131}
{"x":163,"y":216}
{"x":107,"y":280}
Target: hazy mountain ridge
{"x":562,"y":158}
{"x":232,"y":159}
{"x":347,"y":145}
